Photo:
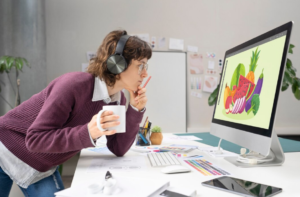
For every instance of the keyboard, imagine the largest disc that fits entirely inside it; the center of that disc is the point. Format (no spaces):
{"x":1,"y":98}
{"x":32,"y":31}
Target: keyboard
{"x":160,"y":159}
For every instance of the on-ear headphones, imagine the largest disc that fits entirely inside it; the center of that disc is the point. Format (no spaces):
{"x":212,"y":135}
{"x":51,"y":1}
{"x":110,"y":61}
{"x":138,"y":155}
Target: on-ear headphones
{"x":116,"y":63}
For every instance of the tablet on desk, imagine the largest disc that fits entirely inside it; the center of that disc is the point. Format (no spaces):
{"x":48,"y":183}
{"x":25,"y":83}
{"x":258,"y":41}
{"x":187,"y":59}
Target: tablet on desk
{"x":242,"y":187}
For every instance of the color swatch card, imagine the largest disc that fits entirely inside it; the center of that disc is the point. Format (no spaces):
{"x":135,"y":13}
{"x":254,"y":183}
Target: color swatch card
{"x":206,"y":168}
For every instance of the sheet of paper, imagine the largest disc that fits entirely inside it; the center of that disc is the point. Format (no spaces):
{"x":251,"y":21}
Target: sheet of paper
{"x":102,"y":150}
{"x":176,"y":44}
{"x":211,"y":65}
{"x":190,"y":137}
{"x":161,"y":42}
{"x":90,"y":55}
{"x":127,"y":163}
{"x":84,"y":66}
{"x":210,"y":151}
{"x":210,"y":83}
{"x":183,"y":145}
{"x":144,"y":37}
{"x":192,"y":49}
{"x":175,"y":137}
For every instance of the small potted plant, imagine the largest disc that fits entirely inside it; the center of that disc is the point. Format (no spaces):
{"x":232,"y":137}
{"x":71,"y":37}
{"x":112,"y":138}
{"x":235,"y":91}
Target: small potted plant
{"x":156,"y":136}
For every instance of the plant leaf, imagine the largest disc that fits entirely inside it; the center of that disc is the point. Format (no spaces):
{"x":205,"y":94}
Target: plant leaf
{"x":291,"y":72}
{"x":288,"y":63}
{"x":297,"y":94}
{"x":297,"y":80}
{"x":10,"y":62}
{"x":19,"y":63}
{"x":284,"y":86}
{"x":2,"y":68}
{"x":291,"y":48}
{"x":3,"y":60}
{"x":213,"y":97}
{"x":294,"y":87}
{"x":26,"y":62}
{"x":288,"y":77}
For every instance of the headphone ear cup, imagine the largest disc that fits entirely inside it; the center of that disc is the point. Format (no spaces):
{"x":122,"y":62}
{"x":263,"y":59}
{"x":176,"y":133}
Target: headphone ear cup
{"x":116,"y":64}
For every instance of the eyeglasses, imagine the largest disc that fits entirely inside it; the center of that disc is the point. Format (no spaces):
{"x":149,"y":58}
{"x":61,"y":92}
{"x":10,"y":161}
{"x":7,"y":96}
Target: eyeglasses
{"x":142,"y":67}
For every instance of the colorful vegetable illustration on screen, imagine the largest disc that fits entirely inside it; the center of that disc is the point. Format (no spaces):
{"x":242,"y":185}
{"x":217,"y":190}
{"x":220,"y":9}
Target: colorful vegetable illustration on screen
{"x":243,"y":95}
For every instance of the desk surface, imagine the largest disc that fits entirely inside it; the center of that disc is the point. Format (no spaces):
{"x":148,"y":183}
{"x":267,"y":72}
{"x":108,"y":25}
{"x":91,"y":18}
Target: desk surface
{"x":286,"y":176}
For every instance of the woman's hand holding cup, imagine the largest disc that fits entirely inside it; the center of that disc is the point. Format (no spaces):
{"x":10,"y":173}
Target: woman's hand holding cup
{"x":107,"y":120}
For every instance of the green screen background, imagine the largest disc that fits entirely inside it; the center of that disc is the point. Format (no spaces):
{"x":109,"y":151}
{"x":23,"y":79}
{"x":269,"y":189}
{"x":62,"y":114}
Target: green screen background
{"x":269,"y":60}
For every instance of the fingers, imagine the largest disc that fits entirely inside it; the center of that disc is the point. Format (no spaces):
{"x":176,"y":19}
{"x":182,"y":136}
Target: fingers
{"x":141,"y":94}
{"x":143,"y":101}
{"x":109,"y":118}
{"x":106,"y":113}
{"x":140,"y":98}
{"x":141,"y":90}
{"x":110,"y":124}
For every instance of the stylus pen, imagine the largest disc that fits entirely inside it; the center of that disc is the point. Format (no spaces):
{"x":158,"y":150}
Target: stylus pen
{"x":147,"y":81}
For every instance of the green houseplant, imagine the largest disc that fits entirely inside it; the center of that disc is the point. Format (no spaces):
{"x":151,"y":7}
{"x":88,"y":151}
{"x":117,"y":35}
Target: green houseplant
{"x":156,"y":136}
{"x":6,"y":64}
{"x":289,"y":79}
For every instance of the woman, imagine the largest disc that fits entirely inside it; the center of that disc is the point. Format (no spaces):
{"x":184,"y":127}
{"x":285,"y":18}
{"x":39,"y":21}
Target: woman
{"x":55,"y":124}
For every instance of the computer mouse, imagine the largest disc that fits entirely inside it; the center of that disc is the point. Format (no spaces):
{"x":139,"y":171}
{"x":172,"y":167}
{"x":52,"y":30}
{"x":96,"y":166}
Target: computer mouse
{"x":175,"y":169}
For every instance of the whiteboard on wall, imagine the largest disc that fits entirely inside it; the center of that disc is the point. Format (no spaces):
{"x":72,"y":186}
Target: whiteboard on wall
{"x":166,"y":91}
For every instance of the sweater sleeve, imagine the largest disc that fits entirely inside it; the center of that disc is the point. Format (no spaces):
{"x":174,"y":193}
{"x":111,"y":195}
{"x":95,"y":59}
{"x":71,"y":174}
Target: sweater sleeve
{"x":120,"y":143}
{"x":47,"y":133}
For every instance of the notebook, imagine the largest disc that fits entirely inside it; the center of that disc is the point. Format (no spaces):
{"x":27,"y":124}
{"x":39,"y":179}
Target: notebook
{"x":126,"y":187}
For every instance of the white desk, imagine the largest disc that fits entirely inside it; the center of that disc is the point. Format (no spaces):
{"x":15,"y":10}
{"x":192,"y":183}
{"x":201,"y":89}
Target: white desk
{"x":286,"y":176}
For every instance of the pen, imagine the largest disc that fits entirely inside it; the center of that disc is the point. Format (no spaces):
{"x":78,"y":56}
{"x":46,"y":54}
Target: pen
{"x":143,"y":138}
{"x":147,"y":81}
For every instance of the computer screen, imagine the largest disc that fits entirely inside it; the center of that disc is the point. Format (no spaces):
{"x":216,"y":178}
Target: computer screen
{"x":249,"y":82}
{"x":249,"y":89}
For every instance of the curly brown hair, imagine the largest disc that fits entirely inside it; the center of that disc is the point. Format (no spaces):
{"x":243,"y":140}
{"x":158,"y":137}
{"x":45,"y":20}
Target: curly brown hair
{"x":135,"y":48}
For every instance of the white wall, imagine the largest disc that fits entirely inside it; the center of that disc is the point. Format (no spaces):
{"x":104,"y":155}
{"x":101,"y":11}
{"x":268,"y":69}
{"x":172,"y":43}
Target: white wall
{"x":74,"y":27}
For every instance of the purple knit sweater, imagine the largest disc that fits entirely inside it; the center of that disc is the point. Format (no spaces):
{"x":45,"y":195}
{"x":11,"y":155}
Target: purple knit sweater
{"x":51,"y":126}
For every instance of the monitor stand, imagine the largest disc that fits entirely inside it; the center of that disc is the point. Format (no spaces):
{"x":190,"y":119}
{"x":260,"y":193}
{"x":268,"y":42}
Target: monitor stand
{"x":277,"y":161}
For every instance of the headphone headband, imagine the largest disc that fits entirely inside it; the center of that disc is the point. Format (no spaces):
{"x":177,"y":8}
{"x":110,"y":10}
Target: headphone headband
{"x":121,"y":44}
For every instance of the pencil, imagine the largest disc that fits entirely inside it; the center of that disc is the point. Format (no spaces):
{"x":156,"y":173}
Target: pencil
{"x":147,"y":81}
{"x":145,"y":122}
{"x":146,"y":128}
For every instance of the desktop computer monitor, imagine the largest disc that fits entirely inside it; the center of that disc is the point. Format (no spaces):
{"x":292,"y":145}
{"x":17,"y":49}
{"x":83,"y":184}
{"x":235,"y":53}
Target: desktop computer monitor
{"x":248,"y":94}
